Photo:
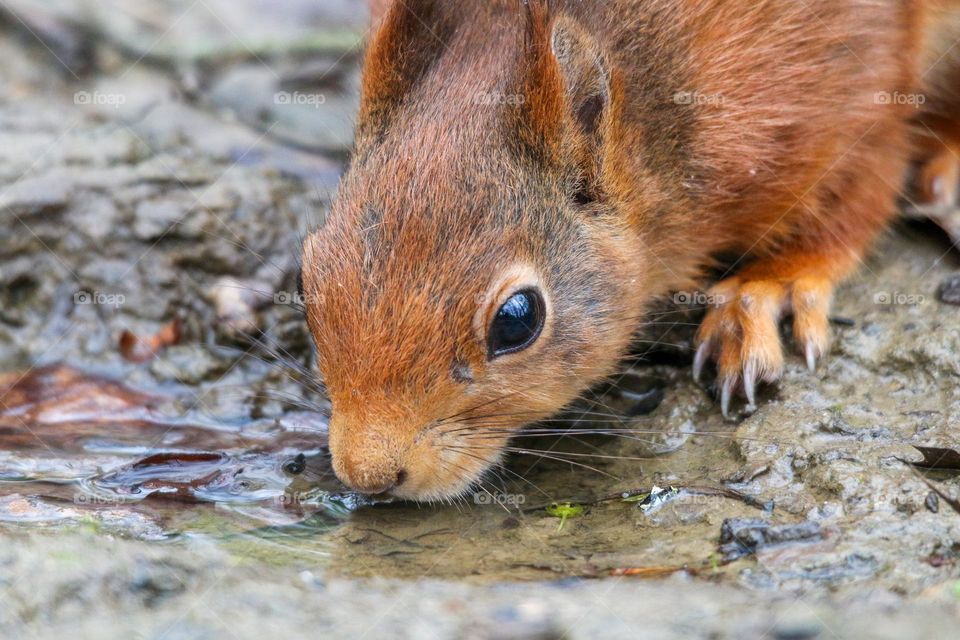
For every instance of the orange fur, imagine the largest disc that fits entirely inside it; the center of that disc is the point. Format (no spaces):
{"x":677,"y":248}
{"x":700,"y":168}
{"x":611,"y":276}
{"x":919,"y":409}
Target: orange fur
{"x":937,"y":125}
{"x":613,"y":150}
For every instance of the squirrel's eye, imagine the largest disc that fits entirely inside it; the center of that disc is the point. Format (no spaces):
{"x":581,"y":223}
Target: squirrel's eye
{"x":517,"y":324}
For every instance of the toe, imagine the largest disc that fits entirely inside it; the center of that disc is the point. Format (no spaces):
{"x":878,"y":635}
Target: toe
{"x":761,"y":306}
{"x":811,"y":318}
{"x":710,"y":336}
{"x":937,"y":182}
{"x":743,"y":338}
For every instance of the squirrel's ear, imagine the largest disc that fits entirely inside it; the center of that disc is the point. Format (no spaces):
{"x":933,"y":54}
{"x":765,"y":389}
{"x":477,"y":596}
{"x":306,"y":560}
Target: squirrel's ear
{"x":568,"y":88}
{"x":585,"y":74}
{"x":409,"y":38}
{"x":378,"y":9}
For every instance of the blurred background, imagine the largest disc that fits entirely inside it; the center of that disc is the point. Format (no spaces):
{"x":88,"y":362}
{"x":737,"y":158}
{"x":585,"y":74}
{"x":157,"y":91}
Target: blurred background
{"x":160,"y":163}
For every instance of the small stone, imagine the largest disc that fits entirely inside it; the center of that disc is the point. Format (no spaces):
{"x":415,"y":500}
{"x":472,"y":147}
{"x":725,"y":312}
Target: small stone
{"x":98,"y":218}
{"x":932,"y":502}
{"x":528,"y":619}
{"x":799,"y":629}
{"x":237,"y":302}
{"x":949,"y":291}
{"x":157,"y":218}
{"x":188,"y":364}
{"x":35,"y":196}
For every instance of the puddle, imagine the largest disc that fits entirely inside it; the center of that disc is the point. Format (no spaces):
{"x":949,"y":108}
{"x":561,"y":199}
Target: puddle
{"x":81,"y":450}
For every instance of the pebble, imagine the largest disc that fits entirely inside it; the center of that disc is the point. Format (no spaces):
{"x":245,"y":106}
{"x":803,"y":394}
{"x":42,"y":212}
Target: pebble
{"x":932,"y":502}
{"x":949,"y":291}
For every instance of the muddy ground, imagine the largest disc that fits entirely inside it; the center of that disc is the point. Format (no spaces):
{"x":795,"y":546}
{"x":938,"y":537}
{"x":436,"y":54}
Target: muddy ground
{"x":160,"y":163}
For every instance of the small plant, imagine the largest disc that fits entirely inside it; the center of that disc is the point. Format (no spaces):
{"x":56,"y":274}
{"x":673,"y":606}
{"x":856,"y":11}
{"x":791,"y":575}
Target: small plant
{"x":564,"y":510}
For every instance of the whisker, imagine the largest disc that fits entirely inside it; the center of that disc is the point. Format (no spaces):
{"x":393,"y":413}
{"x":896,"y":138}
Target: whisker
{"x":579,"y":455}
{"x":501,"y":467}
{"x":541,"y":454}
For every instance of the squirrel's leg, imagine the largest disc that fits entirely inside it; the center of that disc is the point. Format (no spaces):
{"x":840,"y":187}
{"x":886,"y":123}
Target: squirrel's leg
{"x":741,"y":329}
{"x":937,"y":181}
{"x":795,"y":267}
{"x":937,"y":121}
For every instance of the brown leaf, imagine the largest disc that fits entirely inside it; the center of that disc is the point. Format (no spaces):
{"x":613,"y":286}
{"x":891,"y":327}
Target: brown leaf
{"x":651,"y":572}
{"x":938,"y":458}
{"x":138,"y":349}
{"x":170,"y":475}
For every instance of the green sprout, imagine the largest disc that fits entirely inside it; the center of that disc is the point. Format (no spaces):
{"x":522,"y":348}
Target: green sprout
{"x":564,"y":510}
{"x":714,"y":562}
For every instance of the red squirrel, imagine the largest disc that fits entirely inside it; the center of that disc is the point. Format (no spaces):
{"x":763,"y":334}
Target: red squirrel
{"x":529,"y":175}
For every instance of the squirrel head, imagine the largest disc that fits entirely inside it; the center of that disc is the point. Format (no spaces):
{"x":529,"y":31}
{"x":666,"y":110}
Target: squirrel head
{"x":474,"y":274}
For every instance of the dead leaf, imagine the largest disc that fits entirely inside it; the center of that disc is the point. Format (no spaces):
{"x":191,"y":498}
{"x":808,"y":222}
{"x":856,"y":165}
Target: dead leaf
{"x":137,"y":349}
{"x":652,"y":572}
{"x":938,"y":458}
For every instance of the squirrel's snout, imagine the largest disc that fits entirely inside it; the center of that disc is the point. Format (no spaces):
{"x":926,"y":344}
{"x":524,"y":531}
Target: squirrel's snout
{"x":375,"y":457}
{"x":369,"y":464}
{"x":374,"y":483}
{"x":370,"y":476}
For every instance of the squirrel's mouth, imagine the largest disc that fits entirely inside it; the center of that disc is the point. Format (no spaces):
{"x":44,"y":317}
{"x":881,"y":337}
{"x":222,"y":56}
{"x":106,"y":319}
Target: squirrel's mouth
{"x":447,"y":477}
{"x":440,"y":469}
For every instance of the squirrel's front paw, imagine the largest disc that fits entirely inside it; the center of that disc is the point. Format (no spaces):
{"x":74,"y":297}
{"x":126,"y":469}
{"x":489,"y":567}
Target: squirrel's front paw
{"x":740,"y":331}
{"x":938,"y":180}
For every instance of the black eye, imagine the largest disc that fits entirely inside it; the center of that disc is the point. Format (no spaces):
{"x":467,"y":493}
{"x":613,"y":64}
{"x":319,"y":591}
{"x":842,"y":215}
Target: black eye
{"x":517,"y":324}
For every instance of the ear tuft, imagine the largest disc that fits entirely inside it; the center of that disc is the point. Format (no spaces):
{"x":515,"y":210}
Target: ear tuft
{"x":409,"y":38}
{"x":567,"y":84}
{"x":585,"y":74}
{"x":378,"y":9}
{"x":567,"y":79}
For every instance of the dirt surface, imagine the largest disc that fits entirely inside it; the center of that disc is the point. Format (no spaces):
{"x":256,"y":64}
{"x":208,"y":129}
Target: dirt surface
{"x":162,"y":450}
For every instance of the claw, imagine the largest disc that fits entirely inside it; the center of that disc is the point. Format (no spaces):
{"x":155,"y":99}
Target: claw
{"x":750,"y":384}
{"x":703,"y":352}
{"x":811,"y":354}
{"x":725,"y":394}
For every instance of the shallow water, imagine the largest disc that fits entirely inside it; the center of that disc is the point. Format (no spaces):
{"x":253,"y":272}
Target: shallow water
{"x":82,"y":450}
{"x":78,"y":448}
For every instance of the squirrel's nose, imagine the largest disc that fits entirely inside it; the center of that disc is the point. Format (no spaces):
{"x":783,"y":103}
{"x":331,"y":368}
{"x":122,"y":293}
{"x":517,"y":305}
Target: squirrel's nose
{"x":368,"y":457}
{"x":374,"y":483}
{"x":369,"y":476}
